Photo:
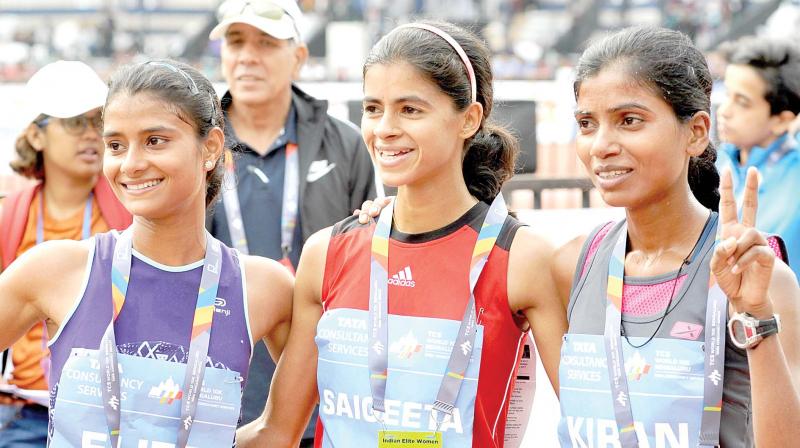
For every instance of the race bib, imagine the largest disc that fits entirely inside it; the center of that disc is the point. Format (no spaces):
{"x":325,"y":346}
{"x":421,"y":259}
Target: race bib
{"x":151,"y":391}
{"x":419,"y":349}
{"x":665,"y":381}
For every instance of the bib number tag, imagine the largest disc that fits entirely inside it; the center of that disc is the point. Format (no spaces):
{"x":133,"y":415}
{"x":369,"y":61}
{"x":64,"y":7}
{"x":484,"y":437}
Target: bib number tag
{"x":409,"y":439}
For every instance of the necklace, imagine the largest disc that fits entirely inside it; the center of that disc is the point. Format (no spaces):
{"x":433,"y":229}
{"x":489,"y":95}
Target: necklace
{"x":671,"y":294}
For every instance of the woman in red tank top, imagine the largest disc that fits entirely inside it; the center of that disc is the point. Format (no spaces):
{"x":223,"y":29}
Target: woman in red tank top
{"x":427,"y":102}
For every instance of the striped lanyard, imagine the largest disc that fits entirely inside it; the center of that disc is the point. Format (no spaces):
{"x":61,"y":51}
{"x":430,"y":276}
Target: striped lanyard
{"x":291,"y":199}
{"x":379,"y":310}
{"x":86,"y":230}
{"x":198,"y":347}
{"x":714,"y":356}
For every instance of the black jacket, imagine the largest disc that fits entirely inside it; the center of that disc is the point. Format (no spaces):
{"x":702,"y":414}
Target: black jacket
{"x":320,"y":136}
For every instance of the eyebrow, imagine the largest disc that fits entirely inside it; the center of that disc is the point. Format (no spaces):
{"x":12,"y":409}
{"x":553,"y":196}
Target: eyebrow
{"x":154,"y":129}
{"x":738,"y":95}
{"x":402,"y":99}
{"x":629,"y":106}
{"x":617,"y":108}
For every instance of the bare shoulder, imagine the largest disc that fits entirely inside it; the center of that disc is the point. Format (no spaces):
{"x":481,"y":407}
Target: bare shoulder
{"x":317,"y":244}
{"x":270,"y":286}
{"x":530,"y":248}
{"x":52,"y":261}
{"x":565,"y":258}
{"x":528,"y":268}
{"x":267,"y":280}
{"x":48,"y":275}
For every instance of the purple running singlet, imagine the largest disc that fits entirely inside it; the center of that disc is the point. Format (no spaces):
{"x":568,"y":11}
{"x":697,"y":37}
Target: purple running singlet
{"x":152,"y":333}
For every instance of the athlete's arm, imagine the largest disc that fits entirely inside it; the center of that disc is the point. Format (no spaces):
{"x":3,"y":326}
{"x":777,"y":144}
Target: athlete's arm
{"x":755,"y":282}
{"x":774,"y":367}
{"x":269,"y":293}
{"x":563,"y":266}
{"x":532,"y":290}
{"x":293,"y":392}
{"x":41,"y":284}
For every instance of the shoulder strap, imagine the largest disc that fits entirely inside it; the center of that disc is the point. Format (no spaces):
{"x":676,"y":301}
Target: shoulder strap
{"x":590,"y":247}
{"x":112,"y":210}
{"x":778,"y":246}
{"x":586,"y":258}
{"x":13,"y":221}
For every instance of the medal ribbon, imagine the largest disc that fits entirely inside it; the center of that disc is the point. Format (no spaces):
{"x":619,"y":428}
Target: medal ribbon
{"x":714,"y":361}
{"x":86,"y":229}
{"x":198,"y":347}
{"x":86,"y":232}
{"x":291,"y":200}
{"x":378,"y":357}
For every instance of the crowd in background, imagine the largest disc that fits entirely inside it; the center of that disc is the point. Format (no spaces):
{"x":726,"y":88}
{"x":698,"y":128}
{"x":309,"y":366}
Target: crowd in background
{"x":641,"y":128}
{"x":529,"y":39}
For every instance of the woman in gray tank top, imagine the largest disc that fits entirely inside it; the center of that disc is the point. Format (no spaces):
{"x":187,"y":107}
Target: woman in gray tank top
{"x":660,"y":371}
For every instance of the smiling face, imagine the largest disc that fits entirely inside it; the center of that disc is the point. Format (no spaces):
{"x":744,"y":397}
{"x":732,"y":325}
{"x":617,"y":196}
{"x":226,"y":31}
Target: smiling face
{"x":258,"y":67}
{"x":633,"y":146}
{"x":412,"y":129}
{"x":77,"y":154}
{"x":153,"y":159}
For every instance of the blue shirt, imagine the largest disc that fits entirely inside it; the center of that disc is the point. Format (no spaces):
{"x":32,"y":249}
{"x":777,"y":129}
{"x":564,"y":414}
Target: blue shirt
{"x":779,"y":188}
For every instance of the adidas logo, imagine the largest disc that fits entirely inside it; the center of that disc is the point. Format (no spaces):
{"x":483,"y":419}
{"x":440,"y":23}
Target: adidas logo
{"x":403,"y":278}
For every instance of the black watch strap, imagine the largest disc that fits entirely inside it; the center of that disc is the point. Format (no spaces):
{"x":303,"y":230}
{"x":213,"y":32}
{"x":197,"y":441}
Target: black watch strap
{"x":768,"y":327}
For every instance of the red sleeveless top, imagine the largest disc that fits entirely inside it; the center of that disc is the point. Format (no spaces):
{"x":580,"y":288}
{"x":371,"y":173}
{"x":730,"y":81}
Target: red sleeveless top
{"x":429,"y":279}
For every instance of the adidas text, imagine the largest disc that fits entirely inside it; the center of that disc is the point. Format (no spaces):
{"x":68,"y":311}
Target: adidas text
{"x":396,"y":282}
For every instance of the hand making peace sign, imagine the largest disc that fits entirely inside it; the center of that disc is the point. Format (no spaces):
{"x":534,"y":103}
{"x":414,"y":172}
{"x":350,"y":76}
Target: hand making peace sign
{"x":743,"y":261}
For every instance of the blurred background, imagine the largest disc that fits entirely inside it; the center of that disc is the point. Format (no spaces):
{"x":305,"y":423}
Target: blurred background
{"x":535,"y":44}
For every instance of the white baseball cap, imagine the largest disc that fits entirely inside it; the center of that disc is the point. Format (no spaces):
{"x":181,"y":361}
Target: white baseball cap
{"x":278,"y":18}
{"x":63,"y":89}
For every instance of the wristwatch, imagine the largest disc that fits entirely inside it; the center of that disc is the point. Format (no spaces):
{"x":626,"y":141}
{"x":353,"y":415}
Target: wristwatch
{"x":746,"y":331}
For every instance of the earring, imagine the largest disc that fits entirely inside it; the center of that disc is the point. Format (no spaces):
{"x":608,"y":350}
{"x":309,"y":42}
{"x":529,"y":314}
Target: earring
{"x":209,"y":164}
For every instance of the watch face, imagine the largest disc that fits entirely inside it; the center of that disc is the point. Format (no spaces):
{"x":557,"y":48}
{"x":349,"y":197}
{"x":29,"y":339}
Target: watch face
{"x":740,"y":332}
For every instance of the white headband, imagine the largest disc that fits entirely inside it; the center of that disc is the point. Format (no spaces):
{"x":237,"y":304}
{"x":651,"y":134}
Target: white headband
{"x":456,"y":47}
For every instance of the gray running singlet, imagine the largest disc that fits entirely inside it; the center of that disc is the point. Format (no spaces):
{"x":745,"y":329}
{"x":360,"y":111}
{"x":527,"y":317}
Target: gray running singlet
{"x":665,"y":376}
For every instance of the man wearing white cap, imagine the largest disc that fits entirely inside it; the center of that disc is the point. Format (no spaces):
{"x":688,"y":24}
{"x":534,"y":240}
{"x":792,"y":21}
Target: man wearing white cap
{"x":59,"y":146}
{"x":295,"y":169}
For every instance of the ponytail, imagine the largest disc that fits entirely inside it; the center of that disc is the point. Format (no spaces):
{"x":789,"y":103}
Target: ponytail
{"x":489,"y":161}
{"x":704,"y":178}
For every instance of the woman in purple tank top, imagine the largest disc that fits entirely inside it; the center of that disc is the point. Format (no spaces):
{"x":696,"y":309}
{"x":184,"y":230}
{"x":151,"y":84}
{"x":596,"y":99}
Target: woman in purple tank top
{"x":152,"y":328}
{"x":627,"y":380}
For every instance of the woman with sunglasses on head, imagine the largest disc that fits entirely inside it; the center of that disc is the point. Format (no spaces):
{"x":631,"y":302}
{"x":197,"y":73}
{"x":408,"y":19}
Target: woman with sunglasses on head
{"x":416,"y":322}
{"x":647,"y":360}
{"x":152,"y":328}
{"x":61,"y":148}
